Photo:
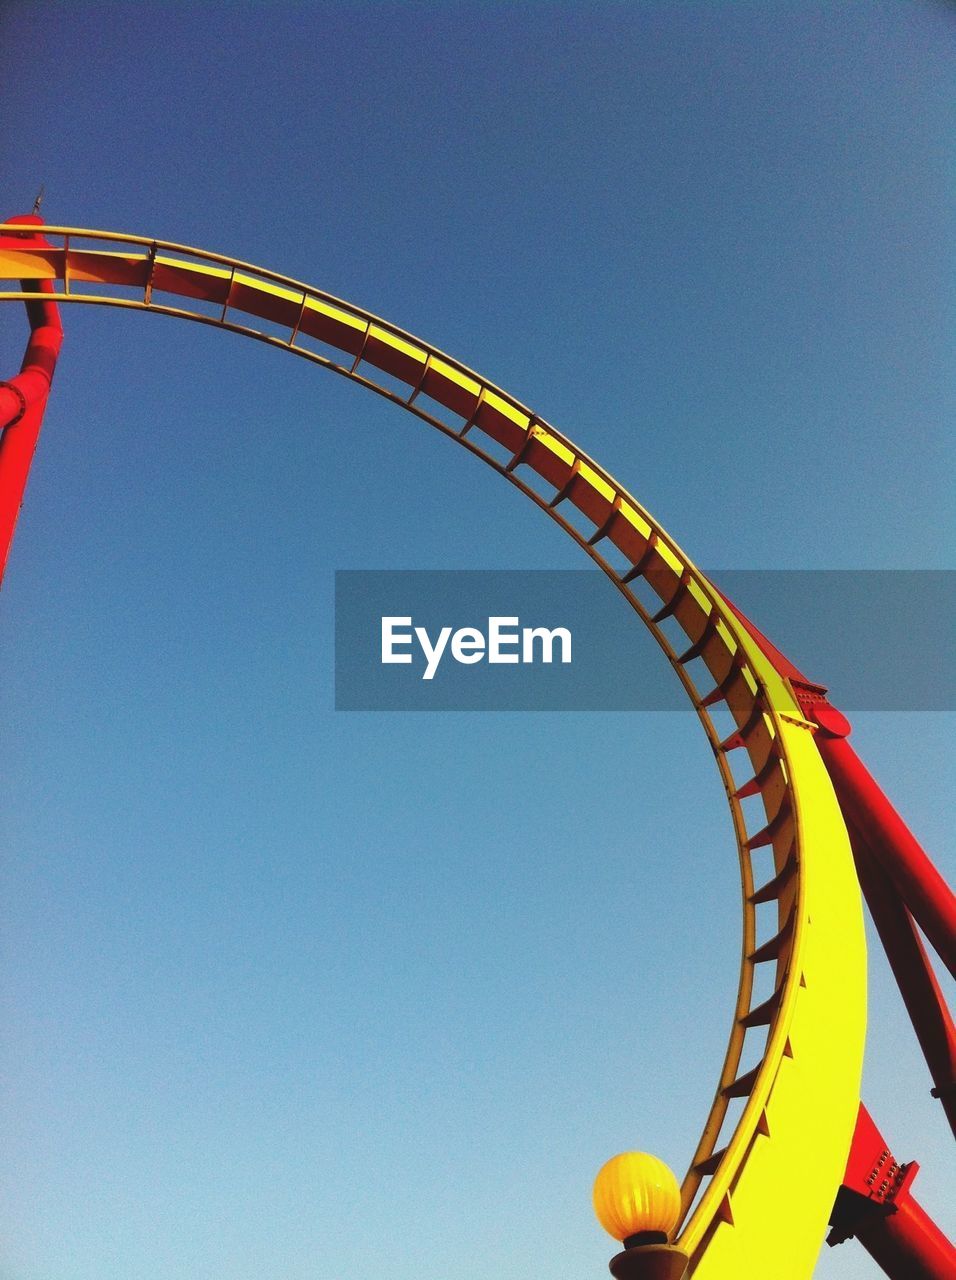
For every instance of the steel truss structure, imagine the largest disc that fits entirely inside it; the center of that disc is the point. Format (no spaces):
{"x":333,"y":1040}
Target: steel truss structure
{"x":824,"y":829}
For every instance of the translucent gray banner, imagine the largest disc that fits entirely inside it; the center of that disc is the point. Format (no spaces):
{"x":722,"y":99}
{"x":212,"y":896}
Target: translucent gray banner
{"x":565,"y":640}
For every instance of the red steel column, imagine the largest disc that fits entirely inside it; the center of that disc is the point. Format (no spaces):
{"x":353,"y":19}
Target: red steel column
{"x":875,"y":1205}
{"x":925,"y":892}
{"x":908,"y":1245}
{"x":913,"y":972}
{"x":23,"y":399}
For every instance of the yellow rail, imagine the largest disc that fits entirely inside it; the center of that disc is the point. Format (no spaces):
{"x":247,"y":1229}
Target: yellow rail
{"x":758,"y":1192}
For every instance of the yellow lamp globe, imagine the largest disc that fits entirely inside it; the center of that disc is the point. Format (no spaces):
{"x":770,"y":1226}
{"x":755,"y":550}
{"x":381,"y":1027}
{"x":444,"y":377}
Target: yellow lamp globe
{"x":636,"y":1195}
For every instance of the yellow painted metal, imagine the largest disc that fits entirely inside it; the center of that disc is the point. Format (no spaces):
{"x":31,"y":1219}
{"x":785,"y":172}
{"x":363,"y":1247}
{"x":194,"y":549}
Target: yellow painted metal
{"x":756,"y":1197}
{"x":762,"y":1213}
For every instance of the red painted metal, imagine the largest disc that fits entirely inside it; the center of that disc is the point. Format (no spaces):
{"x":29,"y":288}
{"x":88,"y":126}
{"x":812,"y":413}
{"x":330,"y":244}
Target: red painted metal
{"x":876,"y":1205}
{"x":871,"y":1171}
{"x":908,"y":1245}
{"x":925,"y":892}
{"x":23,"y":398}
{"x":913,"y":972}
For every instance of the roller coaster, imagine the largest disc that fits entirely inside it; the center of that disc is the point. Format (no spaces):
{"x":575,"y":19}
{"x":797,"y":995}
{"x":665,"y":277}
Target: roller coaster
{"x":765,"y":1181}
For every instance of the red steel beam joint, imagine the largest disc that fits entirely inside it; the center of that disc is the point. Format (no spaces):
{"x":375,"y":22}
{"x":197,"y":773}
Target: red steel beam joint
{"x":875,"y":1205}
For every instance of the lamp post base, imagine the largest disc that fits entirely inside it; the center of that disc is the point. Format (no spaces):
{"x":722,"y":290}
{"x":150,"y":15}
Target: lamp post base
{"x":649,"y":1262}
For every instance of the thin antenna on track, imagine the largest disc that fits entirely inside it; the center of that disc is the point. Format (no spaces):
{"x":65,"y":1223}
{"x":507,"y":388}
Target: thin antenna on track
{"x":39,"y":200}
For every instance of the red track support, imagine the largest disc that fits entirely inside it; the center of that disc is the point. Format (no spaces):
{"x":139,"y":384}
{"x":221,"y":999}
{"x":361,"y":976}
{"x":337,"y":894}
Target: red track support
{"x":908,"y":1245}
{"x":875,"y":1204}
{"x":913,"y":972}
{"x":919,"y":884}
{"x":23,"y":399}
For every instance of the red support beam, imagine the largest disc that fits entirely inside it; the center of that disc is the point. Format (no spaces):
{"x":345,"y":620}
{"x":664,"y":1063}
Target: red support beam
{"x":921,"y":887}
{"x":875,"y":1205}
{"x":913,"y":972}
{"x":23,"y":398}
{"x":908,"y":1245}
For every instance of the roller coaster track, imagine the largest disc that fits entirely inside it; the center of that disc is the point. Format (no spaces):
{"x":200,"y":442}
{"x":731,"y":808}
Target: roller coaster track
{"x":794,"y":1058}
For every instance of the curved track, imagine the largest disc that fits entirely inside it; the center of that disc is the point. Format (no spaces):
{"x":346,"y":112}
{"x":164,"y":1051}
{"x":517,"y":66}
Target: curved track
{"x":793,"y":1059}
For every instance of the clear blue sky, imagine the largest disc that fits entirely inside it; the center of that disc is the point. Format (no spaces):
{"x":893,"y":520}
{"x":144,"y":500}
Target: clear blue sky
{"x":299,"y":993}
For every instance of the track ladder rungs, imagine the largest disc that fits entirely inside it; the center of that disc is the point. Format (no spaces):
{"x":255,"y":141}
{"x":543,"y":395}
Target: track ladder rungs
{"x":766,"y":834}
{"x":709,"y":1166}
{"x":698,"y":647}
{"x":680,"y":591}
{"x":772,"y":889}
{"x":742,"y":1087}
{"x":762,"y":1015}
{"x":720,"y":690}
{"x":639,"y":565}
{"x":757,"y":782}
{"x":771,"y":949}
